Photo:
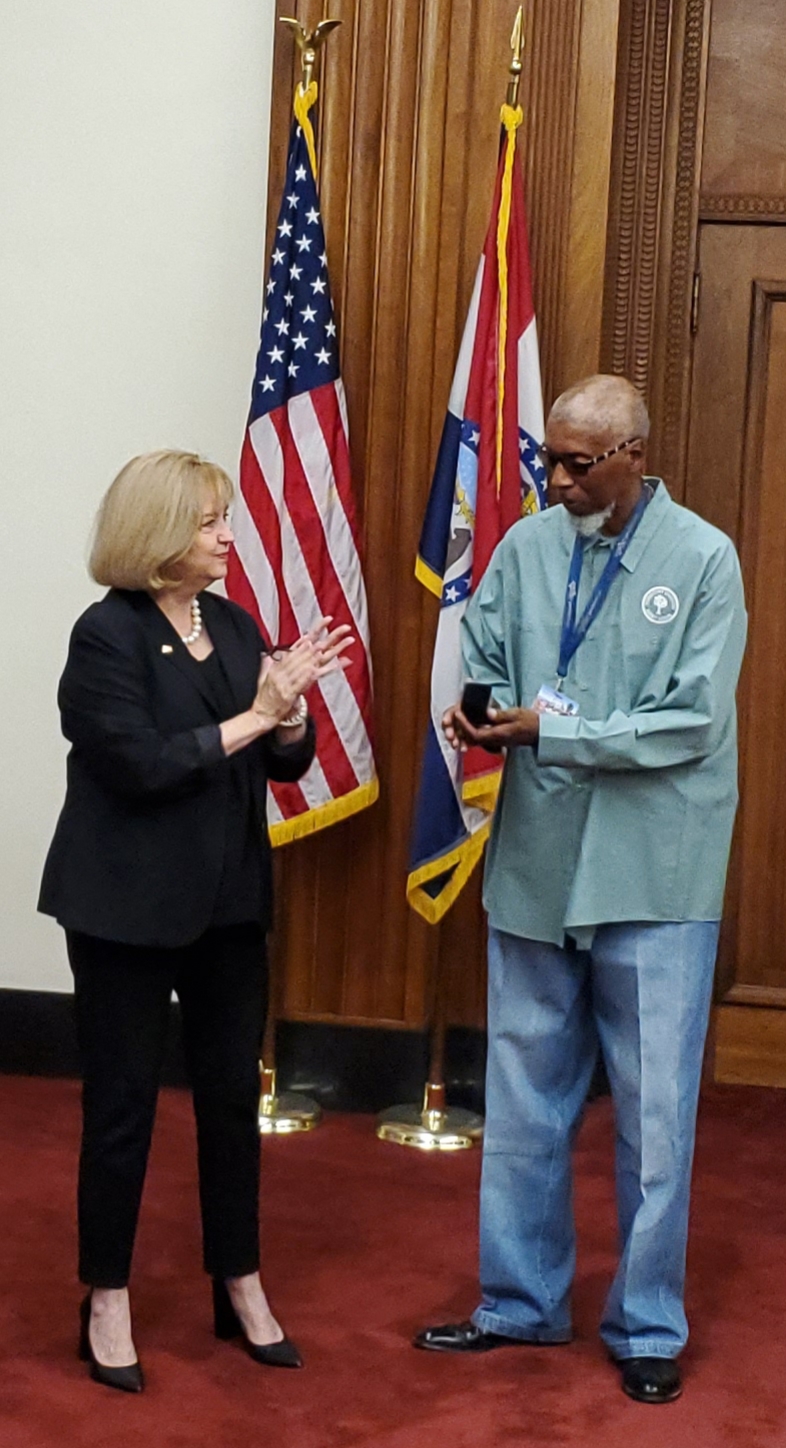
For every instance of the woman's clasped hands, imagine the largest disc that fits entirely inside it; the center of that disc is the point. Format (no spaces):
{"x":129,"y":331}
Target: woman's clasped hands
{"x":284,"y":676}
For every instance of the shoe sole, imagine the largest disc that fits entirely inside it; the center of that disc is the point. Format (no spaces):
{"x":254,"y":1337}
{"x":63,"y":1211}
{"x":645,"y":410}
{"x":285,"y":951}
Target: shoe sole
{"x":463,"y":1351}
{"x":489,"y":1347}
{"x":654,"y":1402}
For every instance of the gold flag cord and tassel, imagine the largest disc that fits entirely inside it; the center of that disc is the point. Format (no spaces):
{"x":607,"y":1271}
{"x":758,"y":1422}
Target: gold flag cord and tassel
{"x":309,"y":44}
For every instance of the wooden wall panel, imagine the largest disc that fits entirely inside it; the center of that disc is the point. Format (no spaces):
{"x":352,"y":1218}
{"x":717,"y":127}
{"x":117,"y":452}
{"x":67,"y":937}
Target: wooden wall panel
{"x":750,"y":1047}
{"x":581,"y":315}
{"x":408,"y":137}
{"x":737,"y":443}
{"x":744,"y":169}
{"x":730,"y":259}
{"x":760,"y":957}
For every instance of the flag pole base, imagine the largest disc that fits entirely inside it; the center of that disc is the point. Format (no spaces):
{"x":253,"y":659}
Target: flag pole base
{"x":432,"y":1126}
{"x":285,"y":1114}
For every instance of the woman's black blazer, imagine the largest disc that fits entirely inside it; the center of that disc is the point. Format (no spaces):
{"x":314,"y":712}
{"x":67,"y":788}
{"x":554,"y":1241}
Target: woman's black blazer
{"x":138,"y":850}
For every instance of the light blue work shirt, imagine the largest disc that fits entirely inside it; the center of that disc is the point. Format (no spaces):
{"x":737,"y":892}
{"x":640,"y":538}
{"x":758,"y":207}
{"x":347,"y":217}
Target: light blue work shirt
{"x":626,"y":811}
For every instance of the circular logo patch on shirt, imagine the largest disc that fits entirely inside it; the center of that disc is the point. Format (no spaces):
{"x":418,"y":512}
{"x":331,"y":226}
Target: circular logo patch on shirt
{"x":660,"y":604}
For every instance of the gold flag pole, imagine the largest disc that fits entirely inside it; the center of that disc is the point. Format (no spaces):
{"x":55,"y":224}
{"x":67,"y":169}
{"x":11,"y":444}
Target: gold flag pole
{"x":516,"y":64}
{"x":289,"y":1112}
{"x":434,"y":1126}
{"x":309,"y":43}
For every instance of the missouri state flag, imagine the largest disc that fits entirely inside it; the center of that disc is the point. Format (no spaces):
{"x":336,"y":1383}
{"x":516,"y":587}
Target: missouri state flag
{"x":296,"y":555}
{"x":488,"y":475}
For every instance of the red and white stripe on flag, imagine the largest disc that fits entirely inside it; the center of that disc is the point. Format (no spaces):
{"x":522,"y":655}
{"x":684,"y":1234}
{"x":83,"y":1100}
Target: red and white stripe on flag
{"x":296,"y":556}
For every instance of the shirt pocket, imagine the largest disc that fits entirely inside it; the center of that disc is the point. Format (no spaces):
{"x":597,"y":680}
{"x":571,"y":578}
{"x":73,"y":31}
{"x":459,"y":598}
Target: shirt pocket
{"x":648,"y":652}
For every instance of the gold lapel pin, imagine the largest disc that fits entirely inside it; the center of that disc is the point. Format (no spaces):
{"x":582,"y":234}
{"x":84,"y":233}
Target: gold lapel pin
{"x":167,"y":649}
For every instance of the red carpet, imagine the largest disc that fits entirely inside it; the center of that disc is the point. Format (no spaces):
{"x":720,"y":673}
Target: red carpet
{"x":367,"y":1243}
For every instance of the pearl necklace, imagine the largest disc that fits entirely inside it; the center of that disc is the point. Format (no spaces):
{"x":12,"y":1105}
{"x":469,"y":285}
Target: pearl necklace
{"x":196,"y":621}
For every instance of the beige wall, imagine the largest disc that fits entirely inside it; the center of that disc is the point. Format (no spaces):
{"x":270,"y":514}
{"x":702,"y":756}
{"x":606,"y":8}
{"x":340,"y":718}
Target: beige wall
{"x":132,"y":182}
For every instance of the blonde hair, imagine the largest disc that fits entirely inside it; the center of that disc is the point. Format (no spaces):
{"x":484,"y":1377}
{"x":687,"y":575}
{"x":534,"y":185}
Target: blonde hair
{"x":150,"y":516}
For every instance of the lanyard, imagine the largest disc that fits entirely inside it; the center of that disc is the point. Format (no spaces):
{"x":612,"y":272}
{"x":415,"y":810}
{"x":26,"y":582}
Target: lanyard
{"x":573,"y":632}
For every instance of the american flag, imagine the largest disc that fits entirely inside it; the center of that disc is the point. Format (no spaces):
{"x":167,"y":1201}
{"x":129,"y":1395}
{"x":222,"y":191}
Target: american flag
{"x":296,"y":555}
{"x":488,"y":474}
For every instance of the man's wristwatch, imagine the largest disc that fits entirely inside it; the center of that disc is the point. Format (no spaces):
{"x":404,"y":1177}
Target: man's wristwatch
{"x":297,"y":716}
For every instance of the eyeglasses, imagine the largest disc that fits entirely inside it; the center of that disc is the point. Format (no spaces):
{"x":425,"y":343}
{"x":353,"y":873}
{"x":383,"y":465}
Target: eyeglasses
{"x":574,"y":464}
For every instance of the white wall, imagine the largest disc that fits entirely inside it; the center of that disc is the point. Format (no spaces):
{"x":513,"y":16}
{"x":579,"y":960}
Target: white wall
{"x":132,"y":194}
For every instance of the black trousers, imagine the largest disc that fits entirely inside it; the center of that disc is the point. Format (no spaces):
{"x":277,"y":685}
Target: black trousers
{"x":122,"y":996}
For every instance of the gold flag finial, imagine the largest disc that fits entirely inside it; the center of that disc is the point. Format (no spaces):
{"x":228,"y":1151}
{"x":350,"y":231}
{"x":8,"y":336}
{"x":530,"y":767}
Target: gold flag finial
{"x":516,"y":67}
{"x":309,"y":43}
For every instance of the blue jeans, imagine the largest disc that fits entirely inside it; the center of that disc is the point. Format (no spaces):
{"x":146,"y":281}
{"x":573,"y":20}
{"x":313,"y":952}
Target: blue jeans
{"x":644,"y":991}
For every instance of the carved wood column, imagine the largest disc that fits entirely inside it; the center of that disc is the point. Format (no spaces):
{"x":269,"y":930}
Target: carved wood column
{"x":654,"y":212}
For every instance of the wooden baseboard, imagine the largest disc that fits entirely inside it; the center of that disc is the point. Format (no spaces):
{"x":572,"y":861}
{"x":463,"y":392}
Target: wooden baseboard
{"x":347,"y":1068}
{"x":750,"y":1046}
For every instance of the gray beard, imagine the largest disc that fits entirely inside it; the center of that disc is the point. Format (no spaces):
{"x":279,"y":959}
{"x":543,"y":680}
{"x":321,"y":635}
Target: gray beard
{"x":591,"y":523}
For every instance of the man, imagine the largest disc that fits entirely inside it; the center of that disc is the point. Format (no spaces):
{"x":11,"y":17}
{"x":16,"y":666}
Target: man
{"x":611,"y":630}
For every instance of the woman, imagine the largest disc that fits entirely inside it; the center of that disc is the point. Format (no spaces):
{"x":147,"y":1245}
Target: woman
{"x":160,"y":873}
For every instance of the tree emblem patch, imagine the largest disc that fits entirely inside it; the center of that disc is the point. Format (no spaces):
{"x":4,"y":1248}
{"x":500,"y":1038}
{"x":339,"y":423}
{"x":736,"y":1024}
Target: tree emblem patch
{"x":660,"y":604}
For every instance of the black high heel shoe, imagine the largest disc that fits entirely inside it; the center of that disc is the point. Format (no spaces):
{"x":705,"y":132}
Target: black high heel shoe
{"x":227,"y":1325}
{"x":128,"y":1380}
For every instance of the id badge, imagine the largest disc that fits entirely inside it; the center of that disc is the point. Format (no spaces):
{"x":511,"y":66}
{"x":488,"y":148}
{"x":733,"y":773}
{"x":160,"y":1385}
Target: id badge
{"x":553,"y":701}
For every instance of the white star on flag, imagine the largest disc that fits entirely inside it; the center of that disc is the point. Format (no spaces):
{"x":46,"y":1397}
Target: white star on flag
{"x":285,"y":229}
